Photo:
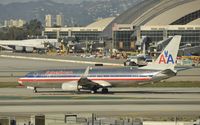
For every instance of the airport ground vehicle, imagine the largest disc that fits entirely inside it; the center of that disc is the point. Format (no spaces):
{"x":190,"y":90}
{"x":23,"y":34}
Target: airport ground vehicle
{"x":102,"y":78}
{"x":140,"y":60}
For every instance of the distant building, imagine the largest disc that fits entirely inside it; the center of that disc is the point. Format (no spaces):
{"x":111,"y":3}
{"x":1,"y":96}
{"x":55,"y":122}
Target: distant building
{"x":59,"y":20}
{"x":81,"y":33}
{"x":5,"y":23}
{"x":154,"y":20}
{"x":21,"y":23}
{"x":190,"y":33}
{"x":91,"y":32}
{"x":14,"y":23}
{"x":48,"y":20}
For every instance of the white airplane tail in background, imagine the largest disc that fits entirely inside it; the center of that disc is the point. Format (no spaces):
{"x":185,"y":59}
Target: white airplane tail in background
{"x":167,"y":59}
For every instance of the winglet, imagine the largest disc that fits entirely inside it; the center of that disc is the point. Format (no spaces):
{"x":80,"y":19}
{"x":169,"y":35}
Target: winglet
{"x":85,"y":75}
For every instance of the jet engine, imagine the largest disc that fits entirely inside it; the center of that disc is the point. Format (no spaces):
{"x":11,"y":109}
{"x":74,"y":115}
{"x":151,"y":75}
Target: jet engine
{"x":18,"y":48}
{"x":29,"y":49}
{"x":70,"y":86}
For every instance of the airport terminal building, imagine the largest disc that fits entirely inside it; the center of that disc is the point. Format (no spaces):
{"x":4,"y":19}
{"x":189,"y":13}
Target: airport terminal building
{"x":154,"y":19}
{"x":91,"y":32}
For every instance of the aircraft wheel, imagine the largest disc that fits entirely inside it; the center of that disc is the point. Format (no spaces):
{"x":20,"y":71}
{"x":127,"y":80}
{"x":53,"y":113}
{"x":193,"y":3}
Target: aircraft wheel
{"x":93,"y":91}
{"x":78,"y":91}
{"x":104,"y":90}
{"x":35,"y":90}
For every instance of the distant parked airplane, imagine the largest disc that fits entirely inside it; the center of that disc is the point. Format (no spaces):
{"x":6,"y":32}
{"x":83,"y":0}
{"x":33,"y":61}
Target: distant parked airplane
{"x":102,"y":78}
{"x":26,"y":45}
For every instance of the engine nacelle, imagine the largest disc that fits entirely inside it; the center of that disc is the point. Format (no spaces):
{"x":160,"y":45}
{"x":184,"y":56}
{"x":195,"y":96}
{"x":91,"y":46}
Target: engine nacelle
{"x":70,"y":86}
{"x":102,"y":83}
{"x":18,"y":48}
{"x":29,"y":49}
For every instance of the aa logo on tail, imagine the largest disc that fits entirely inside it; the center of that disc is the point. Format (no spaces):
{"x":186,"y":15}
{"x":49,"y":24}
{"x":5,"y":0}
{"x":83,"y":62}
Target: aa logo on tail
{"x":166,"y":58}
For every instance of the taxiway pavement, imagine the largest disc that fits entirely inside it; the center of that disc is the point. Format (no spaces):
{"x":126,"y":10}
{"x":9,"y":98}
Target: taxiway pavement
{"x":21,"y":100}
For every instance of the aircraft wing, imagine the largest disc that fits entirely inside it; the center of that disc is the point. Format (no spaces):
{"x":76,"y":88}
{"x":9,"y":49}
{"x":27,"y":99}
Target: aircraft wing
{"x":86,"y":83}
{"x":6,"y":47}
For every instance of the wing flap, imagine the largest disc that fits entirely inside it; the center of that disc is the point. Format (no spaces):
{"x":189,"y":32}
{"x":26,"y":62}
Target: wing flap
{"x":102,"y":83}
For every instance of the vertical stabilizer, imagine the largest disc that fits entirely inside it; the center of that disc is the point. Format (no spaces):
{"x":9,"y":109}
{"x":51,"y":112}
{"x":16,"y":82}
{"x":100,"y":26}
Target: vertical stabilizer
{"x":167,"y":59}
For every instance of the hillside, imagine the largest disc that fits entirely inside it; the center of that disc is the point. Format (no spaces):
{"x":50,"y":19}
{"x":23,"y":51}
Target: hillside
{"x":80,"y":13}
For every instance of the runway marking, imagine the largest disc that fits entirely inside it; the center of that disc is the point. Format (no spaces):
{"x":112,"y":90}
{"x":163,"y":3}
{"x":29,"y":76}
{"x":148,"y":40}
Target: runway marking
{"x":60,"y":60}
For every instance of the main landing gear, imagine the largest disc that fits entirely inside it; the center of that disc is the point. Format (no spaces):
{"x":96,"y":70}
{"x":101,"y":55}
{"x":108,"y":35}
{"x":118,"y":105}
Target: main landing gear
{"x":35,"y":90}
{"x":93,"y":91}
{"x":103,"y":91}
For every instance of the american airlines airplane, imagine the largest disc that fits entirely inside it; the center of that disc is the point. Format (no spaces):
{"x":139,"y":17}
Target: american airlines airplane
{"x":94,"y":79}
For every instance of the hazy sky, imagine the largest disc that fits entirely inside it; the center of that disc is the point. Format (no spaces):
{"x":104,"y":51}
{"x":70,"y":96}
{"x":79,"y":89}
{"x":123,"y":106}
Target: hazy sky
{"x":60,"y":1}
